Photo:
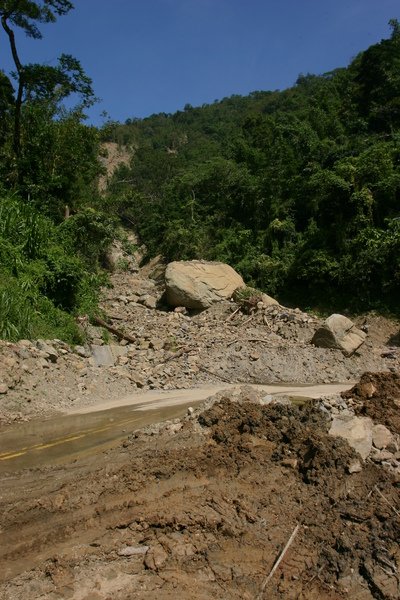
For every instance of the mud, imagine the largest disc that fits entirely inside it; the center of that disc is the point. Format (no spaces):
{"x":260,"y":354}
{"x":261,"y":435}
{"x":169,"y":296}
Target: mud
{"x":202,"y":508}
{"x":377,"y":395}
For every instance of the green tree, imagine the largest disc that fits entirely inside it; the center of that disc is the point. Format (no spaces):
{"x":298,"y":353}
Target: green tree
{"x":35,"y":81}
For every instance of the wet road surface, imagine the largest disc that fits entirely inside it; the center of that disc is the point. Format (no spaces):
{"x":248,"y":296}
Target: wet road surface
{"x":63,"y":438}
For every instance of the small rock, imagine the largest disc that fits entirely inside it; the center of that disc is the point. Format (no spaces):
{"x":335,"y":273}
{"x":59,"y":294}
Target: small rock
{"x":290,"y":462}
{"x":268,"y":301}
{"x":3,"y":388}
{"x":155,"y":558}
{"x":51,"y":353}
{"x":339,"y":332}
{"x":133,"y":550}
{"x":381,"y":436}
{"x":82,"y":351}
{"x":354,"y":467}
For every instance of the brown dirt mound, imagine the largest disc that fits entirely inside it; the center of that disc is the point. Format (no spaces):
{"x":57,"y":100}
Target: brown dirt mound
{"x":378,"y":397}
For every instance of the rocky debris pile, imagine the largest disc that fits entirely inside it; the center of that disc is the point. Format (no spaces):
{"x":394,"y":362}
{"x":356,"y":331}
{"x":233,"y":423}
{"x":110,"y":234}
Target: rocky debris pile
{"x":42,"y":377}
{"x":144,"y":344}
{"x":367,"y":435}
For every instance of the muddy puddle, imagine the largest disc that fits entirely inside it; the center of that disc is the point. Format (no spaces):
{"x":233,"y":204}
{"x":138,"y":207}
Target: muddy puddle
{"x":64,"y":438}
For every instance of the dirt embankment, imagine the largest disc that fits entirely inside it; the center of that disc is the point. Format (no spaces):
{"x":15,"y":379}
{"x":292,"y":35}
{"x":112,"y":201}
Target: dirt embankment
{"x":204,"y":507}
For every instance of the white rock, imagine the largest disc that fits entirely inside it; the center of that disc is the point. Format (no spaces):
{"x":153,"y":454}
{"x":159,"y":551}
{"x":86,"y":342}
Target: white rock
{"x":133,"y":550}
{"x":381,"y":436}
{"x":356,"y":430}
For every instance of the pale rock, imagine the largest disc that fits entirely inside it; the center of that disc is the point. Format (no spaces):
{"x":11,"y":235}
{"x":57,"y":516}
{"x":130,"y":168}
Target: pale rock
{"x":356,"y":430}
{"x":25,"y":343}
{"x":106,"y":356}
{"x":10,"y":361}
{"x":82,"y":351}
{"x":50,"y":352}
{"x":276,"y":399}
{"x":133,"y":551}
{"x":42,"y":362}
{"x":3,"y":388}
{"x":268,"y":301}
{"x":340,"y":333}
{"x":381,"y":436}
{"x":148,"y":301}
{"x":155,"y":558}
{"x":199,"y":284}
{"x":354,"y":467}
{"x":367,"y":389}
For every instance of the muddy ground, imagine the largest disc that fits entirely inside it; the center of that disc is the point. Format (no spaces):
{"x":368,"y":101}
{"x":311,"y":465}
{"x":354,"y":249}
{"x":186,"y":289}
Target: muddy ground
{"x":205,"y":506}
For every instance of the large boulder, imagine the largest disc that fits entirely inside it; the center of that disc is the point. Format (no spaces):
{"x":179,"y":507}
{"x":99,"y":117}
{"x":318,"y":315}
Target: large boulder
{"x":339,"y":332}
{"x":198,"y":284}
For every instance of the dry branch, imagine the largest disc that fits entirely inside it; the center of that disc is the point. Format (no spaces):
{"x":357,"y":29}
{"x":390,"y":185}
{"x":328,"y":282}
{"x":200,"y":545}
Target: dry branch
{"x":231,"y":316}
{"x":120,"y":334}
{"x":279,"y":560}
{"x":387,"y":501}
{"x":179,"y":353}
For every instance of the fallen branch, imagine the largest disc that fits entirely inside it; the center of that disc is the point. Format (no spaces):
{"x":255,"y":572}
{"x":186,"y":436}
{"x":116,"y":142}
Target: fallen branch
{"x":215,"y":375}
{"x":120,"y":334}
{"x":387,"y":501}
{"x":179,"y":353}
{"x":231,"y":316}
{"x":279,"y":560}
{"x":246,"y":321}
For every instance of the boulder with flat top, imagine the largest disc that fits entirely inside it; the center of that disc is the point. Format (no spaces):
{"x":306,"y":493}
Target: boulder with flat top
{"x":198,"y":284}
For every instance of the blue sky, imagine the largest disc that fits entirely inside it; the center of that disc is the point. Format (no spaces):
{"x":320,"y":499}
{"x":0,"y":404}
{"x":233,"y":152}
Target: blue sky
{"x":149,"y":56}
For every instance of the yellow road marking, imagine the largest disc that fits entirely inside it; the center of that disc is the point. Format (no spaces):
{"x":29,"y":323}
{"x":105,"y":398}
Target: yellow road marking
{"x":14,"y":454}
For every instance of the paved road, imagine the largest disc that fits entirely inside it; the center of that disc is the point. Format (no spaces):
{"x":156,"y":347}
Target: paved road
{"x":84,"y":431}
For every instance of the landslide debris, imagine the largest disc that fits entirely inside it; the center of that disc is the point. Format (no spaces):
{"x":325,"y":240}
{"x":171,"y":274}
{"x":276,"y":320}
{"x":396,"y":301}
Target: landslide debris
{"x":233,"y":341}
{"x":203,"y":508}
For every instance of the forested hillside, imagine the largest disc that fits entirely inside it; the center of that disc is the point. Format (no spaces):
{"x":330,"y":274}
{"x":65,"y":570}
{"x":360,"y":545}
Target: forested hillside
{"x":297,"y":189}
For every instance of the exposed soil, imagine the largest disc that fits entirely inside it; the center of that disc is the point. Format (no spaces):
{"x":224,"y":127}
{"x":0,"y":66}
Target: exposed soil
{"x":202,"y":508}
{"x":378,"y":396}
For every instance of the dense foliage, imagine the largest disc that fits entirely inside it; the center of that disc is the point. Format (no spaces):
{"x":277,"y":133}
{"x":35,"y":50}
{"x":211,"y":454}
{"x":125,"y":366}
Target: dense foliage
{"x":53,"y":233}
{"x":299,"y":189}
